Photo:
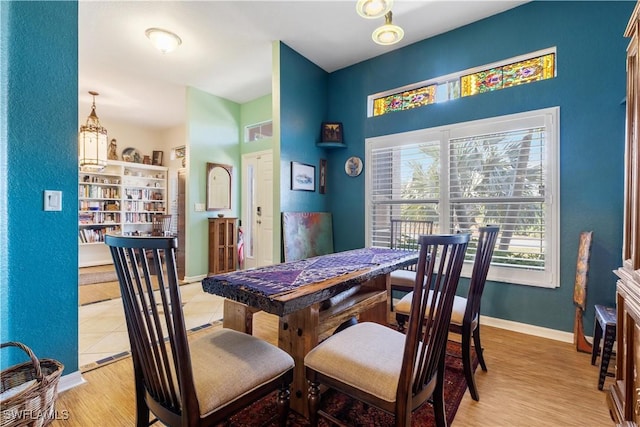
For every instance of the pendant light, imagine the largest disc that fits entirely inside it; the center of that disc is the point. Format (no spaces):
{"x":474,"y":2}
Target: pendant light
{"x":371,"y":9}
{"x":92,"y":141}
{"x":388,"y":34}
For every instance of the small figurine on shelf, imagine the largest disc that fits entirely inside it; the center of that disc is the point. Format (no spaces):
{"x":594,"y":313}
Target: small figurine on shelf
{"x":113,"y":150}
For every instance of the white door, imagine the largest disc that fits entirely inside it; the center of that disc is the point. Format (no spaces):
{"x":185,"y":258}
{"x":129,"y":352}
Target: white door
{"x":257,"y":209}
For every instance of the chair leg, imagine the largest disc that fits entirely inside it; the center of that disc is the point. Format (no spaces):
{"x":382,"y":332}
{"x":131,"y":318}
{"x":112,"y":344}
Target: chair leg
{"x":401,"y":319}
{"x":467,"y":365}
{"x":438,"y":396}
{"x":283,"y":404}
{"x":607,"y":348}
{"x":478,"y":347}
{"x":314,"y":402}
{"x":597,"y":336}
{"x":142,"y":410}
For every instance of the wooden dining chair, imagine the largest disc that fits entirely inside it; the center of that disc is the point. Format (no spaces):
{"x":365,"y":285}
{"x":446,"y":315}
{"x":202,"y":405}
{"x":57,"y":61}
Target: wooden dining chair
{"x":184,"y":383}
{"x":387,"y":369}
{"x":404,"y":235}
{"x":161,"y":225}
{"x":465,"y":318}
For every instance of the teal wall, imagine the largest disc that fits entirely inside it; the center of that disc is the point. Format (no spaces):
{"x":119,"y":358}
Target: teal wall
{"x":39,"y":250}
{"x":303,"y":107}
{"x":213,"y":135}
{"x":589,"y":88}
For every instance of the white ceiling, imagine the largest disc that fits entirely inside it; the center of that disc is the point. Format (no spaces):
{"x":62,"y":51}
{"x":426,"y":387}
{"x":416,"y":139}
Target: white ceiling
{"x":226,"y":47}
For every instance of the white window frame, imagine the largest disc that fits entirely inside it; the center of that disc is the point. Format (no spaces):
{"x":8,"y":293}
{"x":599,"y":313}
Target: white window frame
{"x":260,"y":125}
{"x":550,"y":119}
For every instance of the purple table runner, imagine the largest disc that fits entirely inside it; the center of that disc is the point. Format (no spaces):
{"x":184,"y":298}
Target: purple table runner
{"x":288,"y":276}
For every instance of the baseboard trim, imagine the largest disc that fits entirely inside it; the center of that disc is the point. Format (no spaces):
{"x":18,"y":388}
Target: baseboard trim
{"x":524,"y":328}
{"x":191,"y":279}
{"x":70,"y":381}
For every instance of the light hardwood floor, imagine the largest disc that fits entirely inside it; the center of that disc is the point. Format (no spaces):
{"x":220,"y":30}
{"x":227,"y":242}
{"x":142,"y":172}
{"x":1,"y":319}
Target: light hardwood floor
{"x":531,"y":381}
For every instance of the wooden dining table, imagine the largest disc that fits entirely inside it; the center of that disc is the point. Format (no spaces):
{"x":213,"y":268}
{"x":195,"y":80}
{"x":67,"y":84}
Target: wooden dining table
{"x":312,"y":297}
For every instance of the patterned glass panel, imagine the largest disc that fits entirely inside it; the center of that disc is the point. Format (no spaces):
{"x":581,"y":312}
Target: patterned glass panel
{"x":528,"y":71}
{"x":378,"y":107}
{"x":419,"y":97}
{"x":480,"y":82}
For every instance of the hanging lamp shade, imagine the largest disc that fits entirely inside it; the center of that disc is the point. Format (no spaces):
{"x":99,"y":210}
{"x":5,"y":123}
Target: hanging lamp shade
{"x":92,"y":142}
{"x":388,"y":33}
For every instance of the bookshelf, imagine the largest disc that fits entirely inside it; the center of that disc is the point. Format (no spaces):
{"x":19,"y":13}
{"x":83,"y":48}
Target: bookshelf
{"x":123,"y":198}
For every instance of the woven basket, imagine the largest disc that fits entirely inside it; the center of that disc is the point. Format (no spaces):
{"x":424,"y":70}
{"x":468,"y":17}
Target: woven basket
{"x":33,"y":404}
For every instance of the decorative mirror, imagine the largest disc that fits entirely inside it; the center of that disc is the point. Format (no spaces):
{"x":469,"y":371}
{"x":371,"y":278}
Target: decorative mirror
{"x":218,"y":186}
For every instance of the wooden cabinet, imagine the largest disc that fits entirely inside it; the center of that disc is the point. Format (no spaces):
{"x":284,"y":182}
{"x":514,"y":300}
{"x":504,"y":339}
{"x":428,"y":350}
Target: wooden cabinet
{"x":623,"y":396}
{"x":223,"y":245}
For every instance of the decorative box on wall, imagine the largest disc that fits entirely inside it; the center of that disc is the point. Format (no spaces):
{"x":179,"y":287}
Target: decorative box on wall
{"x":331,"y":135}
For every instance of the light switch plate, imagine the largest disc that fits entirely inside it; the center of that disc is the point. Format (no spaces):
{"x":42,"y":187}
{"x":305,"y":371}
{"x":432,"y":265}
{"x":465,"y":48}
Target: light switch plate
{"x":52,"y":200}
{"x":199,"y":207}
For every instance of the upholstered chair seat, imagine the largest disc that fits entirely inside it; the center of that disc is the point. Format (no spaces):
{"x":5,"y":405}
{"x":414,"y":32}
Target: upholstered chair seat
{"x":403,"y":278}
{"x":227,"y":364}
{"x":457,"y":315}
{"x":377,"y":375}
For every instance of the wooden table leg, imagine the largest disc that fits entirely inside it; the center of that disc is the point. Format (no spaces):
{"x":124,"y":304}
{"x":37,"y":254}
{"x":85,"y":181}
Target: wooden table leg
{"x":381,"y":313}
{"x":238,"y":316}
{"x":297,"y":335}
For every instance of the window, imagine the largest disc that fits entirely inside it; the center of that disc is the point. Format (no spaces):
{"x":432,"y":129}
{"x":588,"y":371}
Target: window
{"x":258,"y":131}
{"x":500,"y":171}
{"x":523,"y":69}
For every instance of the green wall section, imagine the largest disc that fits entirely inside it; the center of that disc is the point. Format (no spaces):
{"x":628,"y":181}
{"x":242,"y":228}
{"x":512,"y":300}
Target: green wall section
{"x":257,"y":111}
{"x":589,"y":87}
{"x":40,"y":111}
{"x":213,"y":135}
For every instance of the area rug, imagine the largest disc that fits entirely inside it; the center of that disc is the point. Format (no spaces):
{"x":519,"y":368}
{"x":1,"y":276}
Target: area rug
{"x":264,"y":413}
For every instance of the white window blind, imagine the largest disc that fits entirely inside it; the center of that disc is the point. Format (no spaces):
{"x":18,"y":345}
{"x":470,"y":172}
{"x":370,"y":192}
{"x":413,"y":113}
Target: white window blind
{"x":500,"y":171}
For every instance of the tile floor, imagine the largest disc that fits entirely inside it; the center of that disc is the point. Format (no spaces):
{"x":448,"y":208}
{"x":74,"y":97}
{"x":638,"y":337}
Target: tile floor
{"x":103,"y":332}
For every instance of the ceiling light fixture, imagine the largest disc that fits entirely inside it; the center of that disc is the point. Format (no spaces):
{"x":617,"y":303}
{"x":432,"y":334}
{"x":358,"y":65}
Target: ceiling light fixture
{"x":372,"y":9}
{"x":92,"y":142}
{"x":163,"y":40}
{"x":388,"y":33}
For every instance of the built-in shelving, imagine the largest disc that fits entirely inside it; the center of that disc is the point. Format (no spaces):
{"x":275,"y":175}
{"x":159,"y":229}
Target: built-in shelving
{"x":123,"y":198}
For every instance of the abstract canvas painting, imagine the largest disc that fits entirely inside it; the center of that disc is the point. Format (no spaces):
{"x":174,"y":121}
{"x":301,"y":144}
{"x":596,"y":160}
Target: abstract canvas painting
{"x":306,"y":234}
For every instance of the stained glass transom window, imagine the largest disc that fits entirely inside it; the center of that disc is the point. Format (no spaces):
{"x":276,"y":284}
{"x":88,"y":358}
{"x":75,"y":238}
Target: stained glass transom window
{"x":516,"y":71}
{"x":405,"y":100}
